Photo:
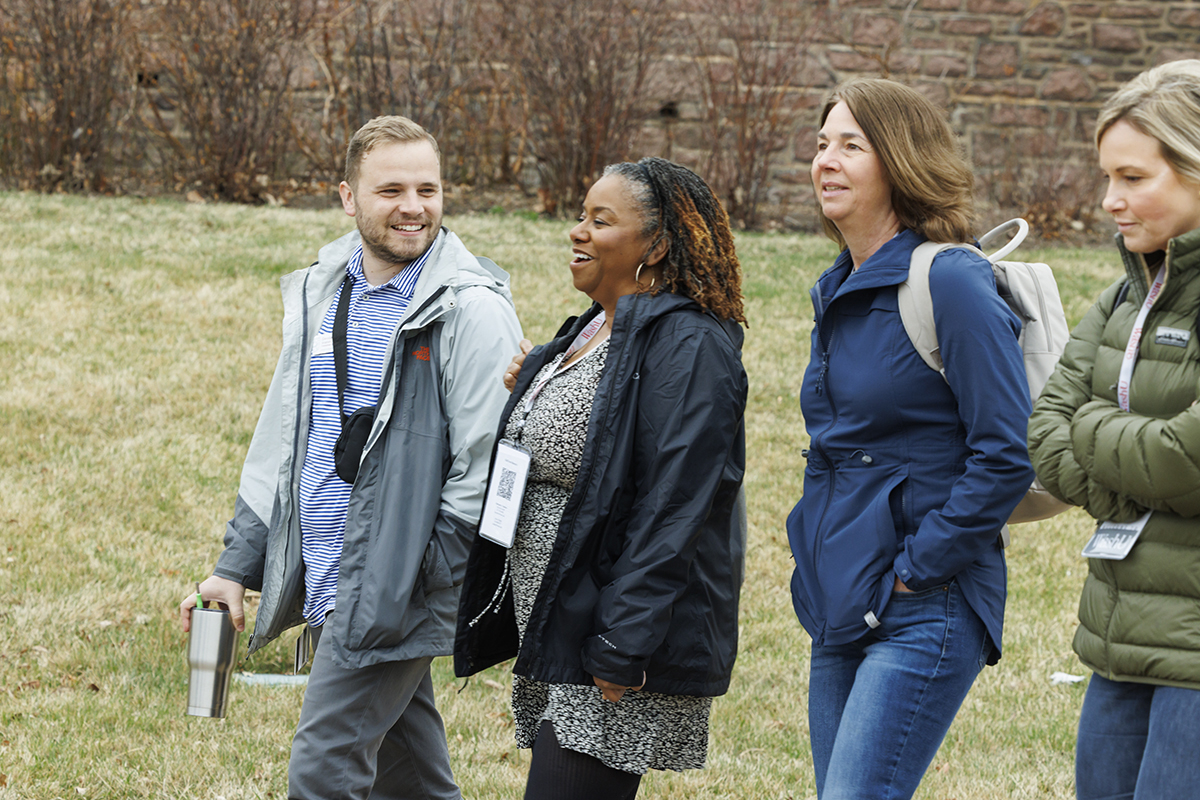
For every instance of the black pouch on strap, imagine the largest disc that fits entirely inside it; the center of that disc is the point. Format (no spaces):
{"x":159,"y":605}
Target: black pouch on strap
{"x":347,"y":452}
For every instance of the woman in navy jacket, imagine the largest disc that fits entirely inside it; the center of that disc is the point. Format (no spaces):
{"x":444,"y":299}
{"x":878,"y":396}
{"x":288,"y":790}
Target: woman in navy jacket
{"x":619,"y":597}
{"x":900,"y":575}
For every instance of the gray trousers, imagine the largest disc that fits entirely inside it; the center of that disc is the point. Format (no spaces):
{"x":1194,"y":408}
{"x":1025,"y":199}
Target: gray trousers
{"x":372,"y":732}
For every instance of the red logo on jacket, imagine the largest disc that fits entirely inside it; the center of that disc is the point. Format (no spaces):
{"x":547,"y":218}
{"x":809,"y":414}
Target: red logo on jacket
{"x":422,"y":353}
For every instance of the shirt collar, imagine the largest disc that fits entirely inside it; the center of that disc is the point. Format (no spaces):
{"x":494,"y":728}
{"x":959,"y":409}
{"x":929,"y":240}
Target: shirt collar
{"x":404,"y":281}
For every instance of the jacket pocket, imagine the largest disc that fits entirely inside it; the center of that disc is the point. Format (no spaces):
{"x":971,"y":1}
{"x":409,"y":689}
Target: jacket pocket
{"x":845,"y":549}
{"x":388,"y":620}
{"x":901,"y":502}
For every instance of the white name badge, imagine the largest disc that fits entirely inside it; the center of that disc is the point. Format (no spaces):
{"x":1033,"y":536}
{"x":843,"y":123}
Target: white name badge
{"x":1114,"y":540}
{"x":322,"y":343}
{"x":506,"y":489}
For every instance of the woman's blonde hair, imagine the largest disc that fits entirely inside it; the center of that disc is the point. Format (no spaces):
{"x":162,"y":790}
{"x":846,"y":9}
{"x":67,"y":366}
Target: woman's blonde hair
{"x":930,"y":180}
{"x":1164,"y":104}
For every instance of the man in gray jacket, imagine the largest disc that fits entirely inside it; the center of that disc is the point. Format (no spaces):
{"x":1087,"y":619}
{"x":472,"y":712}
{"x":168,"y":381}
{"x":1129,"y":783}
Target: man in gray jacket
{"x":423,"y":331}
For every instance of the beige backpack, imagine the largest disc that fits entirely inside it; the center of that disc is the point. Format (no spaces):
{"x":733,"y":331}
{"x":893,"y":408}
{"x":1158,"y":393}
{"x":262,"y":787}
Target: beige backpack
{"x":1030,"y":291}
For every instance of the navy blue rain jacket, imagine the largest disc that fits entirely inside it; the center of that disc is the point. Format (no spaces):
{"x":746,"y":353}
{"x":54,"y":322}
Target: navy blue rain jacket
{"x":908,"y":474}
{"x":646,"y":571}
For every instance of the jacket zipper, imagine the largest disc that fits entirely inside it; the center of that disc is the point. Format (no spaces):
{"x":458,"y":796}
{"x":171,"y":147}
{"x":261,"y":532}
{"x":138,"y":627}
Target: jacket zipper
{"x":819,"y":309}
{"x":825,"y":339}
{"x":816,"y":443}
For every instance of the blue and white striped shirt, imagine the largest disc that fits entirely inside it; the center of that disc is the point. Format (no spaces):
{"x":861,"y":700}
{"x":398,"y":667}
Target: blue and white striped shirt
{"x":375,"y":312}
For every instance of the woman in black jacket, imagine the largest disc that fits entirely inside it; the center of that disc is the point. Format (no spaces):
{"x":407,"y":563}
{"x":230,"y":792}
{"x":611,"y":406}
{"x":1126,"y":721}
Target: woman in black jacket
{"x":619,"y":594}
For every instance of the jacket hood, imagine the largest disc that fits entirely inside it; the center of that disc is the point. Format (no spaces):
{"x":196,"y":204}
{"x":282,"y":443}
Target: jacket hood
{"x":638,"y":311}
{"x":450,"y":266}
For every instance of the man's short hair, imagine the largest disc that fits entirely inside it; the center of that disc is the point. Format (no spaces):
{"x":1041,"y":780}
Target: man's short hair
{"x":383,"y":130}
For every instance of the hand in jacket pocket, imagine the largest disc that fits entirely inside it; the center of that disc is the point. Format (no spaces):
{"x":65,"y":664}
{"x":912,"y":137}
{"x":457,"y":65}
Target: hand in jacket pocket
{"x":613,"y":691}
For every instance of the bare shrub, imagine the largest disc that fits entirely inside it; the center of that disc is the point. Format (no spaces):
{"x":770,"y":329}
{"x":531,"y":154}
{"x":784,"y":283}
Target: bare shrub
{"x":751,"y":55}
{"x":1040,"y":174}
{"x":418,"y":58}
{"x":62,"y":78}
{"x":1058,"y":199}
{"x":220,"y":72}
{"x":487,"y":138}
{"x":492,"y":142}
{"x":580,"y":69}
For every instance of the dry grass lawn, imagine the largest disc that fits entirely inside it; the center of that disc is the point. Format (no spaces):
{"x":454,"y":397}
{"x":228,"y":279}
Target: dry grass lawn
{"x":136,"y":342}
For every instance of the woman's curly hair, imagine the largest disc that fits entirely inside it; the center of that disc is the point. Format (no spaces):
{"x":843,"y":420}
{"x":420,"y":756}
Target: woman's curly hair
{"x":677,"y":205}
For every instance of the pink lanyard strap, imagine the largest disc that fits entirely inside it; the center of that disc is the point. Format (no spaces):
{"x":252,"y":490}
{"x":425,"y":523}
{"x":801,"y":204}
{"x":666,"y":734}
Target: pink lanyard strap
{"x":583,"y":338}
{"x":1135,"y":340}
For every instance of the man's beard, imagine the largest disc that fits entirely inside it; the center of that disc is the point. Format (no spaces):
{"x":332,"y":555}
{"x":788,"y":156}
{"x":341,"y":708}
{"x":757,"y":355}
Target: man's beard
{"x":377,"y":241}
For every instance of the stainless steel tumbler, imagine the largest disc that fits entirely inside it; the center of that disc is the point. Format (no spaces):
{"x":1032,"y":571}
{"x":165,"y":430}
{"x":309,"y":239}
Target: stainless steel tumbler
{"x":211,"y":651}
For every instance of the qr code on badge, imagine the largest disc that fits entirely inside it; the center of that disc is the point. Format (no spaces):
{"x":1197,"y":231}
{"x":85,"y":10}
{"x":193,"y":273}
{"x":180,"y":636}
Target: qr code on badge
{"x":508,"y":479}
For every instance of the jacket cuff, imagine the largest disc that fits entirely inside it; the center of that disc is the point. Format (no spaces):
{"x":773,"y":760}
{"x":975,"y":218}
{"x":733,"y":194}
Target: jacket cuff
{"x":903,"y":567}
{"x":601,"y":660}
{"x":455,"y":536}
{"x":252,"y":582}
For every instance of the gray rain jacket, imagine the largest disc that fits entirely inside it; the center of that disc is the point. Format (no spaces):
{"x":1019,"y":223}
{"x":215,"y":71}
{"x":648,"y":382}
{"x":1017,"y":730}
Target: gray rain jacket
{"x":415,"y":504}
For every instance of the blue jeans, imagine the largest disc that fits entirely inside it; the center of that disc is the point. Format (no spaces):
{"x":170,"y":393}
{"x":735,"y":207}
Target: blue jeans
{"x":879,"y":707}
{"x":1137,"y":742}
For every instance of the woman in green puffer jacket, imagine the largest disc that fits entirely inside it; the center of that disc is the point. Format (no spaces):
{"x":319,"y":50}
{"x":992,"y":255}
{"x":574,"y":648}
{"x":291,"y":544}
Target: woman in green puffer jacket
{"x":1117,"y":431}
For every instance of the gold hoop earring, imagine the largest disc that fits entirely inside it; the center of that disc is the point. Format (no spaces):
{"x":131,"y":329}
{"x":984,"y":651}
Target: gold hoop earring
{"x":637,"y":276}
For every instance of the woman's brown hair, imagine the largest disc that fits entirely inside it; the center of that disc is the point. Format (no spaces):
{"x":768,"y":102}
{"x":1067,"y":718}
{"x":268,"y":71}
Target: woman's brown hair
{"x":930,"y":180}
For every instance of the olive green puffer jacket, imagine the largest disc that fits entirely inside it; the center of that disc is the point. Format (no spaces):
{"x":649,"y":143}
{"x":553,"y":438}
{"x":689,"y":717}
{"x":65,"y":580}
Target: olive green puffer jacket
{"x":1140,"y":617}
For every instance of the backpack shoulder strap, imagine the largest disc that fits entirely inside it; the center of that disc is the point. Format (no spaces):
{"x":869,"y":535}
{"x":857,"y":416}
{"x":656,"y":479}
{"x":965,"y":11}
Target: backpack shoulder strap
{"x":916,"y":304}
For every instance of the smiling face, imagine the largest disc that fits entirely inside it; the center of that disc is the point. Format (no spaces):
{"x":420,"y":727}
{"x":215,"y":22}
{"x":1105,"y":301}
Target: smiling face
{"x":848,"y":176}
{"x":608,"y":243}
{"x":1146,"y":197}
{"x":397,"y":204}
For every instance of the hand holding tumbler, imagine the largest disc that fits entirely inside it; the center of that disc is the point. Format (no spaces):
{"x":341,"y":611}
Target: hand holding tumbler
{"x":211,"y":649}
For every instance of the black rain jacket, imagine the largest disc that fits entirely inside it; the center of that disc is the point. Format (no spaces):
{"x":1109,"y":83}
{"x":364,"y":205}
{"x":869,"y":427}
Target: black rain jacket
{"x":646,"y":571}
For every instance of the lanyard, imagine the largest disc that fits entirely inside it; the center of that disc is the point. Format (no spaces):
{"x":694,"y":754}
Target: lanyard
{"x":1135,"y":340}
{"x":583,"y":338}
{"x":510,"y":471}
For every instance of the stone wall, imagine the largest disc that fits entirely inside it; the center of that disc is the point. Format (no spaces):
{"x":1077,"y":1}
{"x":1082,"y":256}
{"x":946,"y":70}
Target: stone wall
{"x":1023,"y":81}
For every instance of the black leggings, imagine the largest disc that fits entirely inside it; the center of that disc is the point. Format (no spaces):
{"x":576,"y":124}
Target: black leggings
{"x":559,"y":774}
